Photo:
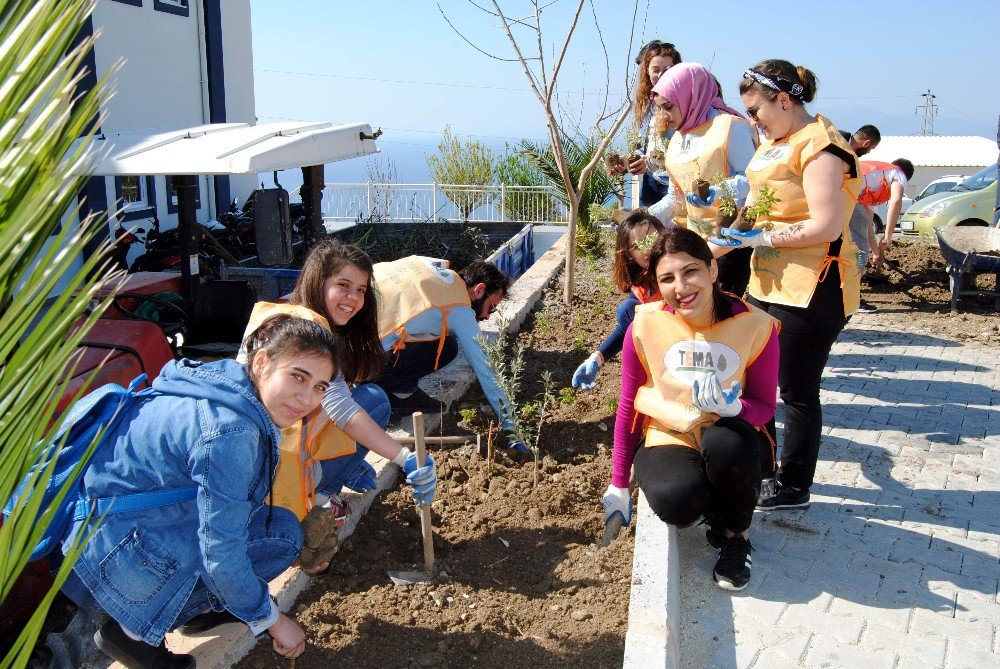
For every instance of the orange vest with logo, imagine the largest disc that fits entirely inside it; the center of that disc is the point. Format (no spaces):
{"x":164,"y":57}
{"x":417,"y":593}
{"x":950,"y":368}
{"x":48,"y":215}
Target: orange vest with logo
{"x":410,"y":286}
{"x":312,"y":439}
{"x":879,"y":194}
{"x":674,"y":354}
{"x":789,"y":276}
{"x":702,"y":153}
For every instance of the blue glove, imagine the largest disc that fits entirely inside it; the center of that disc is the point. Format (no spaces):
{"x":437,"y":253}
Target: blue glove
{"x":693,"y":198}
{"x":514,"y":445}
{"x":707,"y":394}
{"x":360,"y":477}
{"x":738,"y":238}
{"x":423,"y":480}
{"x":585,"y":375}
{"x":617,"y":501}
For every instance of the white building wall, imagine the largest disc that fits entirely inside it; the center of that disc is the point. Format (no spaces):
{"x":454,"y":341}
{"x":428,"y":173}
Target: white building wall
{"x":241,"y":105}
{"x":162,"y":81}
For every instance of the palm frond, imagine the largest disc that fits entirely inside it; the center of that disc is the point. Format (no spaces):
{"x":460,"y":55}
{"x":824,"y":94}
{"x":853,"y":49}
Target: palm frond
{"x":46,"y":284}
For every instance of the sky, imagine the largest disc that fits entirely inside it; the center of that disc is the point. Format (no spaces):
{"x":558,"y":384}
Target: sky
{"x":398,"y":64}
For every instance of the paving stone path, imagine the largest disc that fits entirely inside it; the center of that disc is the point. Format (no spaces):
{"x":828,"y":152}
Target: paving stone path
{"x":896,"y":563}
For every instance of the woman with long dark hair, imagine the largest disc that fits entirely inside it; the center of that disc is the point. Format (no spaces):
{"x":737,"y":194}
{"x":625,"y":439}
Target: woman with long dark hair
{"x":699,"y":370}
{"x":326,"y":453}
{"x":210,"y":430}
{"x":631,"y":275}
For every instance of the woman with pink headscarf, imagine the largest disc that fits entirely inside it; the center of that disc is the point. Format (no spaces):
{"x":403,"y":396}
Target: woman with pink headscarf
{"x":711,"y":140}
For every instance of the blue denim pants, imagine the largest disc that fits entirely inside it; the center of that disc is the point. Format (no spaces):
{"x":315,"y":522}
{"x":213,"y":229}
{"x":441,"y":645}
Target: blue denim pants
{"x":273,"y":545}
{"x":337,"y":471}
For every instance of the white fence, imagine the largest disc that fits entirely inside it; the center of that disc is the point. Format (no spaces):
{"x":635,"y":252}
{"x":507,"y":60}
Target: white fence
{"x":438,"y":202}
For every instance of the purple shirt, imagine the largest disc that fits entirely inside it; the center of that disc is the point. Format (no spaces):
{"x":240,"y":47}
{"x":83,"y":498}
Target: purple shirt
{"x":759,"y":398}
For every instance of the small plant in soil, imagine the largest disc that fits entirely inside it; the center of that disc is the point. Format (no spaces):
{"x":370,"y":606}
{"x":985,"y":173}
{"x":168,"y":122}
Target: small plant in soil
{"x":580,"y":343}
{"x":611,"y":405}
{"x":567,"y":396}
{"x":506,"y":359}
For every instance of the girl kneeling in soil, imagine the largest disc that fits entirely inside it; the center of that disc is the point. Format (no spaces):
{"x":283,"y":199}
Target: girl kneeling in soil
{"x":211,"y":431}
{"x":711,"y":143}
{"x":324,"y":454}
{"x":705,"y":450}
{"x":631,"y":275}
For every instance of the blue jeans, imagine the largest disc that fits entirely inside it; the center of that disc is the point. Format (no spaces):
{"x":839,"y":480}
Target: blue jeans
{"x":272,"y":546}
{"x":624,"y":315}
{"x":337,"y":471}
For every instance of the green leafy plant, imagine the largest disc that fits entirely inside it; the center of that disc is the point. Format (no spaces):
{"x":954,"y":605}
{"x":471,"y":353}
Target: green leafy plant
{"x":611,"y":405}
{"x":514,"y":169}
{"x":469,"y":163}
{"x":567,"y":396}
{"x":599,"y":189}
{"x":506,"y":358}
{"x":580,"y":343}
{"x":763,"y":204}
{"x":48,"y":287}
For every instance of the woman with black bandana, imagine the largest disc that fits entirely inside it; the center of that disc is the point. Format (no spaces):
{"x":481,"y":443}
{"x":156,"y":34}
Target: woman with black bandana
{"x":804,"y":265}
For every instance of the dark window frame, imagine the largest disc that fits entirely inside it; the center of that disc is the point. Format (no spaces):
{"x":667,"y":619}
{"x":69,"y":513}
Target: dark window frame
{"x":171,"y":8}
{"x":171,"y":195}
{"x":134,"y":3}
{"x":148,"y":211}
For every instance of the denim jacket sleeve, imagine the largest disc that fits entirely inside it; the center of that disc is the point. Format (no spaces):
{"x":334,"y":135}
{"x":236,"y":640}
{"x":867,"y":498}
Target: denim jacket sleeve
{"x":462,"y":321}
{"x":229,"y":464}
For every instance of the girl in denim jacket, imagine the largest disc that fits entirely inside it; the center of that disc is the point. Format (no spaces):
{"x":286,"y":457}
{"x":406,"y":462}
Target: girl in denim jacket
{"x":212,"y":427}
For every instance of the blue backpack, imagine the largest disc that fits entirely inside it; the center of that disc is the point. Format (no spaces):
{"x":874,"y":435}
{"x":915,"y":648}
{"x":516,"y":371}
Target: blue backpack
{"x":98,"y":413}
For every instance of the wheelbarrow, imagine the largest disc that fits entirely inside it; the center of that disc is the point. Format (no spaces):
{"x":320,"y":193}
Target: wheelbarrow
{"x":969,"y":251}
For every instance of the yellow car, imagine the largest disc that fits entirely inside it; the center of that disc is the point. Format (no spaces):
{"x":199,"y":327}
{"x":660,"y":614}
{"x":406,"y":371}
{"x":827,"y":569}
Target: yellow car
{"x":969,"y":203}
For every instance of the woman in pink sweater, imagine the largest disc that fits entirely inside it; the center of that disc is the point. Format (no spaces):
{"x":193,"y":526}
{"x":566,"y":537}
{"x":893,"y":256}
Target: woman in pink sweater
{"x":699,"y":380}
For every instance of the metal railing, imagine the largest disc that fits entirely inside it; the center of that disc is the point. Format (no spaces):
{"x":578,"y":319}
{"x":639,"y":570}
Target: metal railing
{"x":437,"y":202}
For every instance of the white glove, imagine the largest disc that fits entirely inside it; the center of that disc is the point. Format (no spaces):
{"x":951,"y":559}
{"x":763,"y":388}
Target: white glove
{"x":707,"y":394}
{"x":617,"y":501}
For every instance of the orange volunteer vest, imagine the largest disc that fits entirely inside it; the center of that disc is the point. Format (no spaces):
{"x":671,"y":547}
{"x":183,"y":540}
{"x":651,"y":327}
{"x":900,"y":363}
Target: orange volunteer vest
{"x":674,"y":354}
{"x":312,"y":439}
{"x":702,"y":153}
{"x":410,"y":286}
{"x":877,"y":170}
{"x":789,"y":276}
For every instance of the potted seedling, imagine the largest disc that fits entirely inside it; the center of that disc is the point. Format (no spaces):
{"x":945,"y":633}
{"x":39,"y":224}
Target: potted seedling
{"x":762,"y":206}
{"x":724,"y":200}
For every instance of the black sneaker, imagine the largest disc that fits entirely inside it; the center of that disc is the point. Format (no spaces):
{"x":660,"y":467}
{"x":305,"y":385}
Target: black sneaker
{"x":418,"y":400}
{"x":773,"y":495}
{"x":732,"y":571}
{"x":117,"y":645}
{"x":207,"y":621}
{"x":866,"y":308}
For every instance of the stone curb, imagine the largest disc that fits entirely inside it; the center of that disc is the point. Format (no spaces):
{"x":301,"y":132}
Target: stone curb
{"x":225,"y":646}
{"x":653,"y":636}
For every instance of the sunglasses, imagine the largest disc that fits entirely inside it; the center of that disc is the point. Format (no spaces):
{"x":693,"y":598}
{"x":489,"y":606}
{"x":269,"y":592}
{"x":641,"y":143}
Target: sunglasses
{"x":654,"y":44}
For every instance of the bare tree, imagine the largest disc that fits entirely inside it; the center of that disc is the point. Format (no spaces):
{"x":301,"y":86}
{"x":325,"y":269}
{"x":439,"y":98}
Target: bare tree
{"x":530,"y":54}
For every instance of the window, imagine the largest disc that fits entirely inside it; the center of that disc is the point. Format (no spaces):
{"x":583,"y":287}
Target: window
{"x":134,"y":3}
{"x":172,"y":196}
{"x":136,"y":197}
{"x":178,"y":7}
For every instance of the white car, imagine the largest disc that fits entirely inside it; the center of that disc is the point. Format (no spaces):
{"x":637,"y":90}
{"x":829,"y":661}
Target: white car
{"x":939,"y":185}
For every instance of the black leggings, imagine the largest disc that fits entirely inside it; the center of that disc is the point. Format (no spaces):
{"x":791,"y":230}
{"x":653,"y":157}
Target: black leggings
{"x":734,"y":271}
{"x":807,"y":335}
{"x":681,"y":484}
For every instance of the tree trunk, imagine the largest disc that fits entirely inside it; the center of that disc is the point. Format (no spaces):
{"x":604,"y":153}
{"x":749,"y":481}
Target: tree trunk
{"x":574,"y":208}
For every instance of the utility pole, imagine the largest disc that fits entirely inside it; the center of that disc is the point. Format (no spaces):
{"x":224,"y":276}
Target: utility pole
{"x":930,"y":111}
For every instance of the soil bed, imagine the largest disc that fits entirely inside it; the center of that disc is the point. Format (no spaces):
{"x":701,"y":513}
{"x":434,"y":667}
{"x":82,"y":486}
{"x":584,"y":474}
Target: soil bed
{"x":522,"y":581}
{"x":915,"y":296}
